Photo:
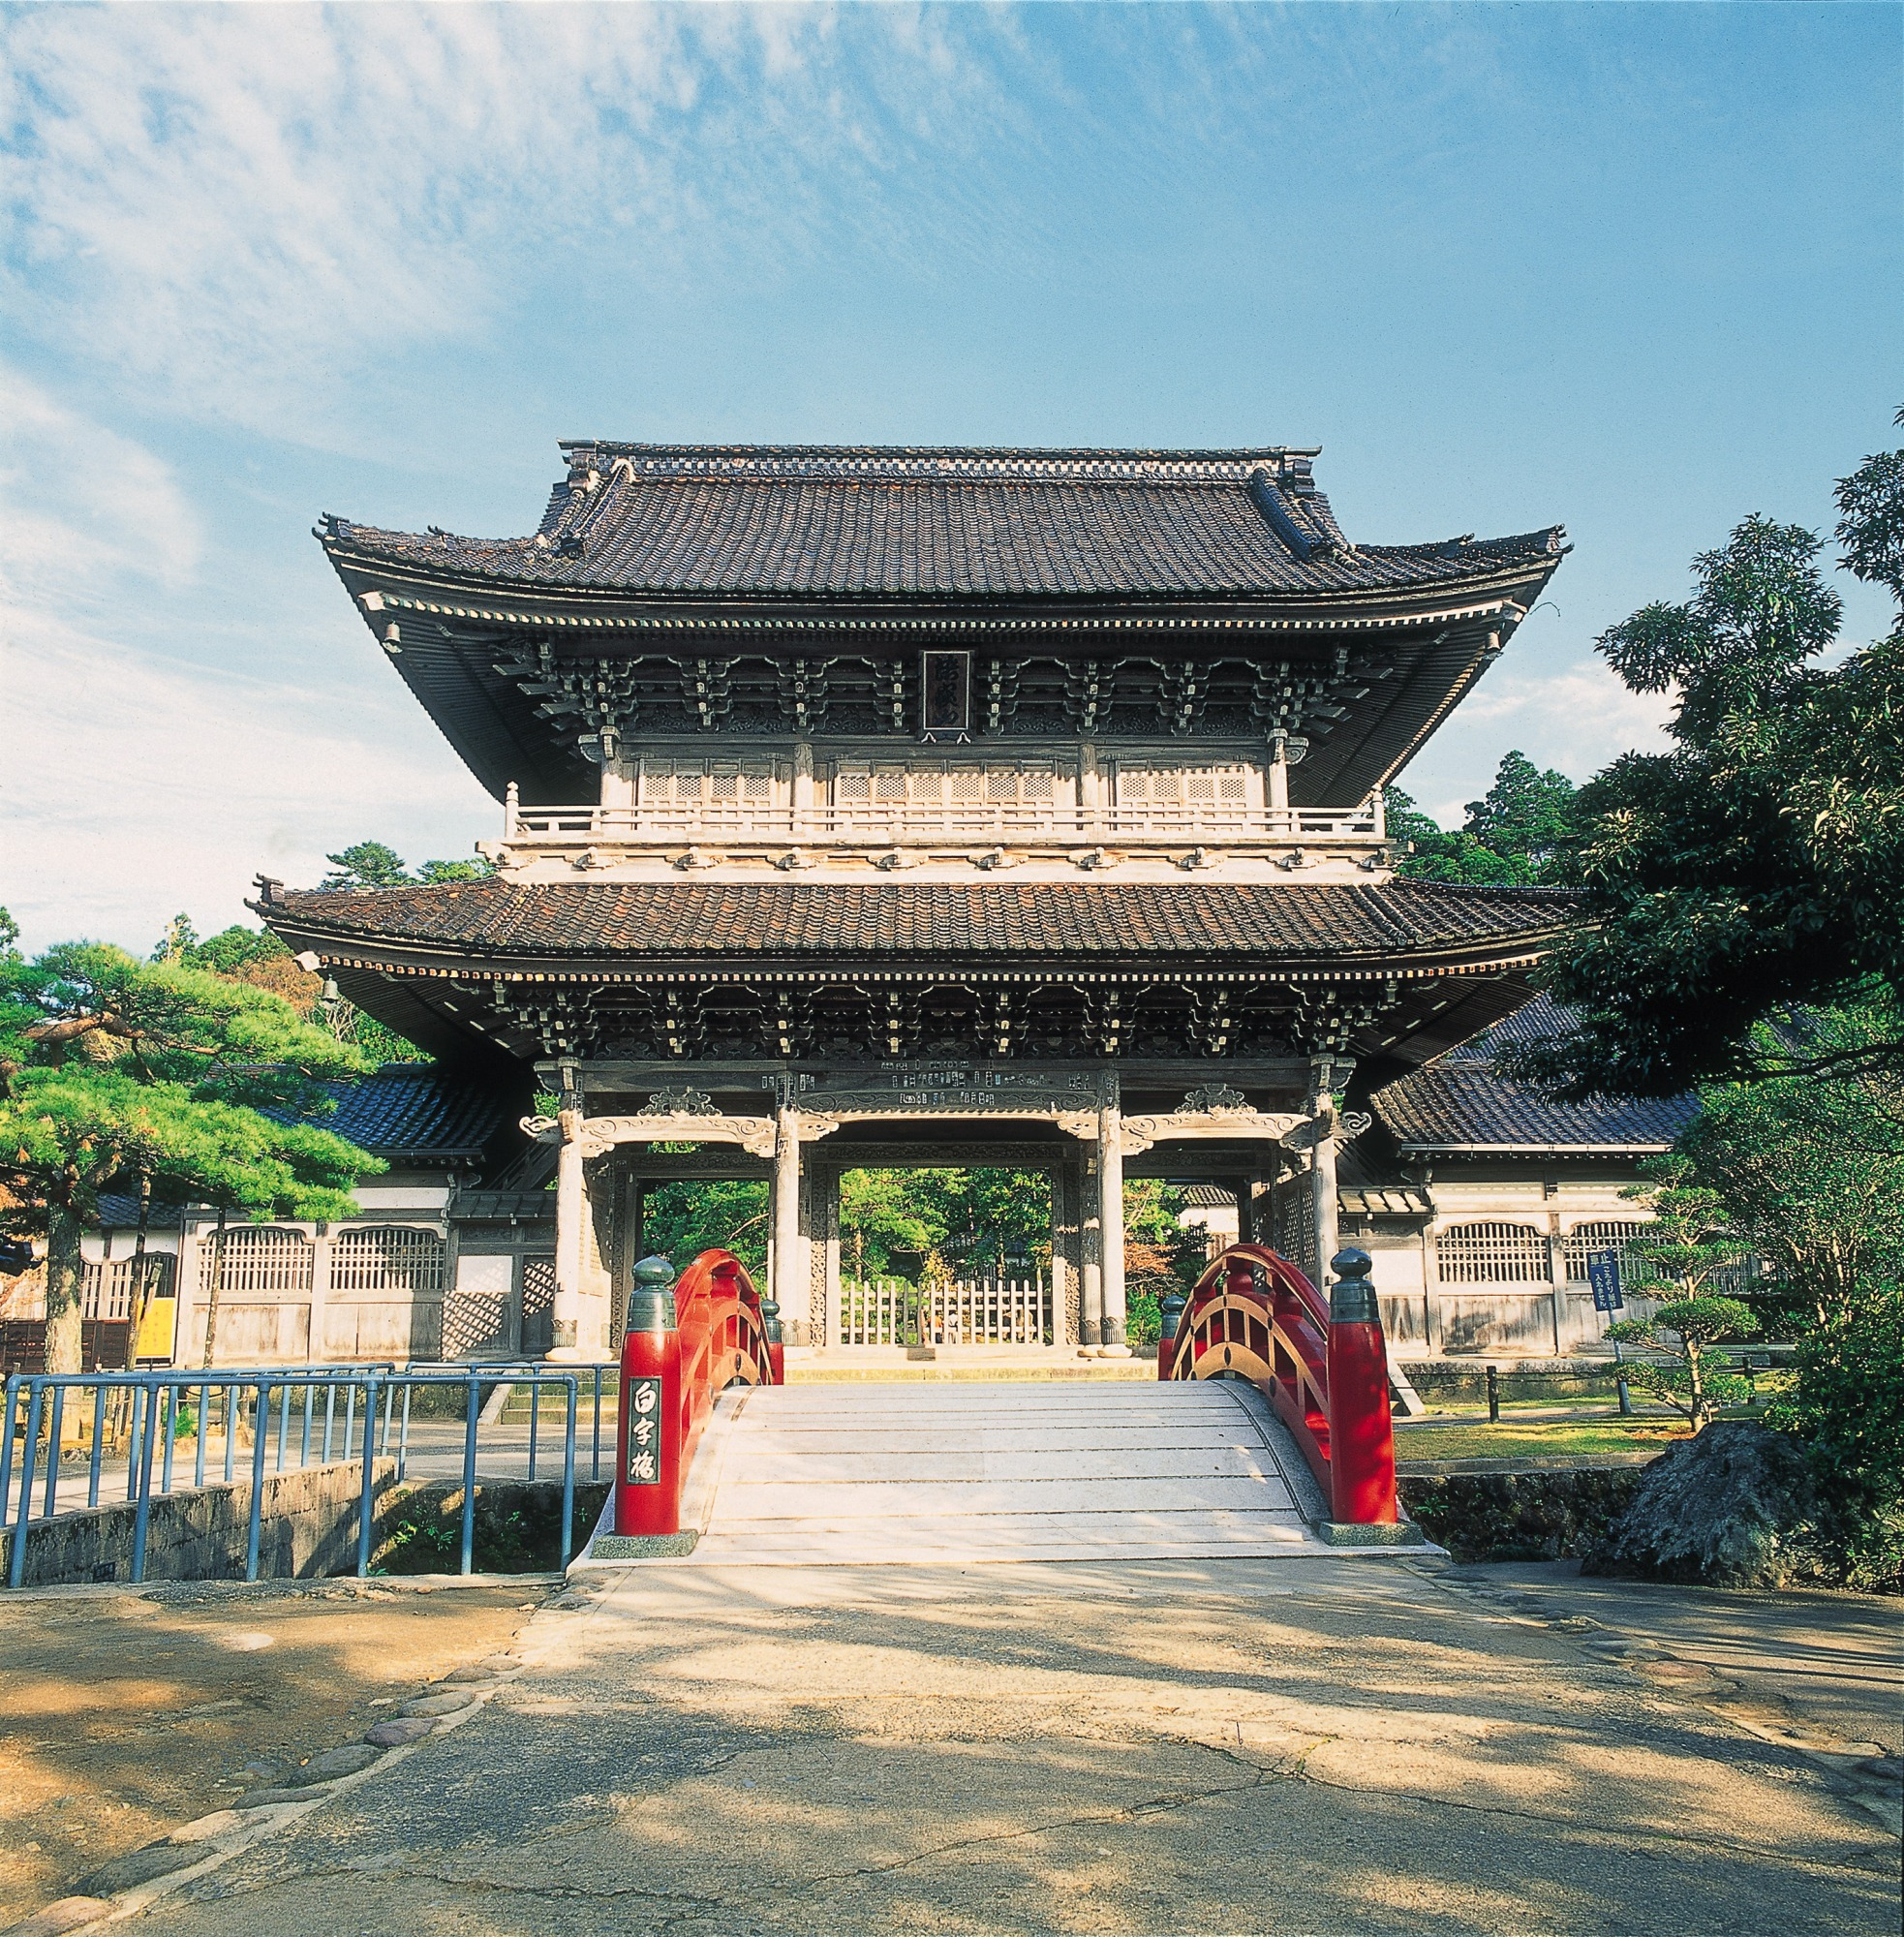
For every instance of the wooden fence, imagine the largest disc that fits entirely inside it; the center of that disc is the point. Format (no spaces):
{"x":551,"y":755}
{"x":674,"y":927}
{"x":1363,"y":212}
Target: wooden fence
{"x":955,"y":1311}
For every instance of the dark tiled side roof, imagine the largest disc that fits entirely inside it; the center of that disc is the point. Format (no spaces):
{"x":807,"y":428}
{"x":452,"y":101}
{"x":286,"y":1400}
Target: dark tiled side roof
{"x":1462,"y":1101}
{"x":1541,"y":1020}
{"x":1452,"y":1106}
{"x":815,"y":522}
{"x":119,"y":1210}
{"x":636,"y":920}
{"x":411,"y":1109}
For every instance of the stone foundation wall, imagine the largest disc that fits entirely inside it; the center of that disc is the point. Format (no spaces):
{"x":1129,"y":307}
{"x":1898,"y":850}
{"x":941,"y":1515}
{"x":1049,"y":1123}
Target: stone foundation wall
{"x":309,"y":1526}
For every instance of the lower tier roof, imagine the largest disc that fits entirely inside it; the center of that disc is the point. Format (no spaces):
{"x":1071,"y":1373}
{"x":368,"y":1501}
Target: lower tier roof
{"x":1392,"y":974}
{"x":581,"y":925}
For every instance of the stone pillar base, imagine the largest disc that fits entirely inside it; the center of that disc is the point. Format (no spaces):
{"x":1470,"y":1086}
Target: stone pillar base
{"x":1345,"y":1533}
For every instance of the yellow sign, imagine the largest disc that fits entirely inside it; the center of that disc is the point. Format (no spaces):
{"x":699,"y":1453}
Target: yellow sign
{"x":157,"y":1327}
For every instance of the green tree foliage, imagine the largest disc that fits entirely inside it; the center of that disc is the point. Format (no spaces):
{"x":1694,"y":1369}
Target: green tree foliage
{"x":1520,"y":832}
{"x":685,"y":1217}
{"x":371,"y":864}
{"x":1756,"y":868}
{"x":971,"y":1217}
{"x":1809,"y":1172}
{"x":1526,"y":815}
{"x":1847,"y":1404}
{"x":9,"y":937}
{"x":1690,"y":1249}
{"x":111,"y":1070}
{"x":255,"y":956}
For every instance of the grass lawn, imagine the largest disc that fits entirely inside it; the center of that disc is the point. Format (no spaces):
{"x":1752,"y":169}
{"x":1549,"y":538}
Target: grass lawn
{"x":1546,"y":1438}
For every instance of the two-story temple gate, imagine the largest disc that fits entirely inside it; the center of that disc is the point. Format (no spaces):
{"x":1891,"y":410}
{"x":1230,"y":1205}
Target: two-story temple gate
{"x":975,"y":807}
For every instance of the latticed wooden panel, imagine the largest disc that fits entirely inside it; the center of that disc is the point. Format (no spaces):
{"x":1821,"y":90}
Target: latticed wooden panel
{"x":258,"y":1258}
{"x":1182,"y":786}
{"x":1610,"y":1234}
{"x":538,"y":1304}
{"x":106,"y":1289}
{"x":706,"y":782}
{"x":1491,"y":1254}
{"x":476,"y":1325}
{"x":396,"y":1258}
{"x":933,"y":783}
{"x":1294,"y":1222}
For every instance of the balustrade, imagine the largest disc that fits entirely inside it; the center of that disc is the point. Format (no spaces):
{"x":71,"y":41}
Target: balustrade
{"x":910,"y":822}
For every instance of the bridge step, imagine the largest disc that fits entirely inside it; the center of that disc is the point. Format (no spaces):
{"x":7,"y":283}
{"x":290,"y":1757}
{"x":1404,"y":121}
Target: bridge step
{"x":1003,"y":1470}
{"x":850,"y":1364}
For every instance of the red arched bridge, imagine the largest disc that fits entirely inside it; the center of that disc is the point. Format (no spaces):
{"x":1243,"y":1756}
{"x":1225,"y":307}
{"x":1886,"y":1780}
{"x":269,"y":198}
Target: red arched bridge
{"x":1266,"y":1432}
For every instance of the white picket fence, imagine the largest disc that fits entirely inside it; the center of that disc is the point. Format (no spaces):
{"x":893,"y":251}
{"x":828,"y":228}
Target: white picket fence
{"x":961,"y":1311}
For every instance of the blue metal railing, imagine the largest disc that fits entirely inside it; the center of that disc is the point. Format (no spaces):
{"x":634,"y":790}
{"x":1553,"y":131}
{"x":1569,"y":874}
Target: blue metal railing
{"x":350,"y":1412}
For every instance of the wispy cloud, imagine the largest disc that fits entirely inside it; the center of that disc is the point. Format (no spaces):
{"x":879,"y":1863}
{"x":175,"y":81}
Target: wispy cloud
{"x":136,"y":787}
{"x":135,"y":783}
{"x":1577,"y":718}
{"x":234,"y":205}
{"x":78,"y":502}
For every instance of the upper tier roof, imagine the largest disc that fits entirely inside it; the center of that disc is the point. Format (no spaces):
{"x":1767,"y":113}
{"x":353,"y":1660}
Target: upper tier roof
{"x":814,"y":521}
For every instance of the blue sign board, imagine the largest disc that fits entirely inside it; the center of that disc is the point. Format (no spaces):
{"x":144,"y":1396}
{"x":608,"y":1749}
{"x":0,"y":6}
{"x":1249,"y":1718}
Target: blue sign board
{"x":1603,"y":1275}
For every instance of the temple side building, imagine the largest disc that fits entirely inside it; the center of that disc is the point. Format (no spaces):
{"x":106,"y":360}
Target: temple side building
{"x":902,"y":808}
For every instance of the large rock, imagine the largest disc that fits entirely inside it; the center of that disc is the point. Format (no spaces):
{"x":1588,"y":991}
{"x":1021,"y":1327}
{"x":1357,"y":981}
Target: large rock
{"x":1734,"y":1508}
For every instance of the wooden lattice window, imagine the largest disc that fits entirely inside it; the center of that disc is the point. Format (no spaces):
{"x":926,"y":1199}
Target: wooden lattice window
{"x":258,"y":1258}
{"x":735,"y":783}
{"x":1492,"y":1254}
{"x":106,"y":1289}
{"x":1606,"y":1235}
{"x":397,"y":1258}
{"x":1182,"y":786}
{"x":937,"y":783}
{"x":1294,"y":1222}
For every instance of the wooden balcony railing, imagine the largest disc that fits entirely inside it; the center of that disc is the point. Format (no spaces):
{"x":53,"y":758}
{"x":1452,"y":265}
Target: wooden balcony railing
{"x":908,"y":824}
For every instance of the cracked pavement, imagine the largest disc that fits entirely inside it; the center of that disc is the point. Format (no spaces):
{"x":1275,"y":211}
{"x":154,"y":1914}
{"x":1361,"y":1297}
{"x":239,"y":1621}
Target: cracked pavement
{"x":1225,"y":1747}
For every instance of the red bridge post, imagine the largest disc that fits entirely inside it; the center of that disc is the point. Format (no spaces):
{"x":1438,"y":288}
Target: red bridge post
{"x":648,"y":1432}
{"x":1321,"y":1364}
{"x":1360,"y":1435}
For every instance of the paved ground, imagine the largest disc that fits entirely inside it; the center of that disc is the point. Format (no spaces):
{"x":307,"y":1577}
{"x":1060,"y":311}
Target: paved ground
{"x":1298,"y":1745}
{"x":125,"y":1712}
{"x":1020,"y":1472}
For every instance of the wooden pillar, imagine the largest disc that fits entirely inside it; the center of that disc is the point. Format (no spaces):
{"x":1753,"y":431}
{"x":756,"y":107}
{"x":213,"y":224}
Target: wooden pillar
{"x":801,"y":794}
{"x":572,"y":1212}
{"x":823,"y":1229}
{"x":1278,"y":775}
{"x":1321,"y":1182}
{"x":1091,"y":1234}
{"x":1326,"y":1075}
{"x":789,"y":1276}
{"x":1556,"y":1270}
{"x":1110,"y":1216}
{"x":325,"y":1237}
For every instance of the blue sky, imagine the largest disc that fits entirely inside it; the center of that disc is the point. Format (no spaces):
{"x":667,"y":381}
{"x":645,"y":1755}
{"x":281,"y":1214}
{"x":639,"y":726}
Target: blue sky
{"x":1631,"y":268}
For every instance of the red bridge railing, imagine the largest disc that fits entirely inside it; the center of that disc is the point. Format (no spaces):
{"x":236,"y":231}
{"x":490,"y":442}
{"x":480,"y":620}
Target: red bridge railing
{"x":1320,"y":1361}
{"x":686,"y":1341}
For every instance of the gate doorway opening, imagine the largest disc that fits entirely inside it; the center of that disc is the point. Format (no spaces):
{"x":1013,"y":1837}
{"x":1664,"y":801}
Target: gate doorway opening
{"x":945,"y":1257}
